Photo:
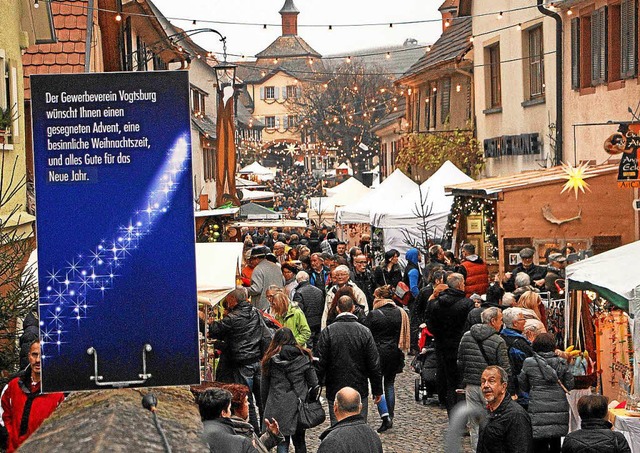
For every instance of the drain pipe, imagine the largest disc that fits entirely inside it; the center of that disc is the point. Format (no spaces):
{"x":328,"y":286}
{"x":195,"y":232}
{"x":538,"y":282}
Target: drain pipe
{"x":559,"y":72}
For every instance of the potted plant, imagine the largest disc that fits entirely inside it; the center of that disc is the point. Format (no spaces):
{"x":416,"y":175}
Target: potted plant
{"x":7,"y":117}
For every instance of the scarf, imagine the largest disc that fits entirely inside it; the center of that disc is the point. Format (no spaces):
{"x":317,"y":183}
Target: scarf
{"x":404,"y":342}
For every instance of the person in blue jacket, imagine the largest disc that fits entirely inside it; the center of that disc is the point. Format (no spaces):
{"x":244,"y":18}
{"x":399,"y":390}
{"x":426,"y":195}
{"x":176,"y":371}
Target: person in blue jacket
{"x":413,"y":279}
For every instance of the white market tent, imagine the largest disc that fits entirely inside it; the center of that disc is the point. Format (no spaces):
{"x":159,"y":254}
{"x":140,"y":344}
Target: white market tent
{"x":404,"y":217}
{"x":322,"y":209}
{"x":248,"y":195}
{"x":257,"y":170}
{"x":613,"y":274}
{"x":216,"y":267}
{"x":389,"y":192}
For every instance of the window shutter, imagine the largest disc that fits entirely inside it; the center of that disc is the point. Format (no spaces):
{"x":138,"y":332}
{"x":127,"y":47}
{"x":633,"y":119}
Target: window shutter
{"x":628,"y":21}
{"x":445,"y":99}
{"x":575,"y":53}
{"x":276,"y":90}
{"x":277,"y":121}
{"x":599,"y":46}
{"x":262,"y":93}
{"x":285,"y":122}
{"x":298,"y":91}
{"x":284,"y":92}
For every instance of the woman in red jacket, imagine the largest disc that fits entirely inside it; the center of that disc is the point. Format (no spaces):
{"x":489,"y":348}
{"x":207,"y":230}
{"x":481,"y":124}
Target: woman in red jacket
{"x":25,"y":406}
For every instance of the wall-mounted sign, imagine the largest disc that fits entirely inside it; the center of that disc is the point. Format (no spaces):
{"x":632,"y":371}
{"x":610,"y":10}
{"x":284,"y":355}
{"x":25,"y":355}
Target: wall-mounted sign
{"x":626,"y":142}
{"x":115,"y":225}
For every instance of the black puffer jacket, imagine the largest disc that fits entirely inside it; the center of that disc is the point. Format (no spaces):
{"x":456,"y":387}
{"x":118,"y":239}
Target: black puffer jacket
{"x":595,"y":437}
{"x":311,"y":300}
{"x":385,"y":324}
{"x":289,"y":377}
{"x":471,"y":362}
{"x":348,"y":357}
{"x":548,"y":404}
{"x":384,"y":277}
{"x":446,"y":318}
{"x":241,"y":331}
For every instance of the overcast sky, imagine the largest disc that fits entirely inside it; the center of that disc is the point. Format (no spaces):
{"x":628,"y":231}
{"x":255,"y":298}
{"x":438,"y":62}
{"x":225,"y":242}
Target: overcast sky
{"x":249,"y":40}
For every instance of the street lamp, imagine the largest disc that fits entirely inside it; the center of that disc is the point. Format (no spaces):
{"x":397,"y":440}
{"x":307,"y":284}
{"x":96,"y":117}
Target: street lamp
{"x":226,"y":132}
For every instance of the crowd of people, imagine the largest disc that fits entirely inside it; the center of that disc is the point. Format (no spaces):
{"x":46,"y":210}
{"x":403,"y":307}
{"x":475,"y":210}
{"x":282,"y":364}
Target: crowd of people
{"x":348,"y":324}
{"x":293,"y":188}
{"x":311,"y":312}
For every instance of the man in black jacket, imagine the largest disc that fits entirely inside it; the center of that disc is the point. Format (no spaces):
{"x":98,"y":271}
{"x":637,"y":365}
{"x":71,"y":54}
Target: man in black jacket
{"x":363,"y":277}
{"x":595,"y":435}
{"x":241,"y":332}
{"x":348,"y":357}
{"x":310,"y":299}
{"x":350,"y":434}
{"x":446,"y":318}
{"x":507,"y":427}
{"x":535,"y":272}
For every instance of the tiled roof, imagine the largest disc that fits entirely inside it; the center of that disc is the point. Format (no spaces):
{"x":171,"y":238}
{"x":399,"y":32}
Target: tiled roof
{"x":256,"y":71}
{"x":65,"y":56}
{"x":401,"y":57}
{"x":205,"y":125}
{"x":452,"y":44}
{"x":287,"y":47}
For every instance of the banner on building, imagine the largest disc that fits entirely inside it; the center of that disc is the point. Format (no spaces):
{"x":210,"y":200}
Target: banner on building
{"x":626,"y":142}
{"x":115,"y":230}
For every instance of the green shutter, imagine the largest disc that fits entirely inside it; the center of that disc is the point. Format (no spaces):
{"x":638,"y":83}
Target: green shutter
{"x":445,"y":99}
{"x":575,"y":53}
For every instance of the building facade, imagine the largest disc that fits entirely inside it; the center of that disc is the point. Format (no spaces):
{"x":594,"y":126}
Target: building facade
{"x":515,"y":80}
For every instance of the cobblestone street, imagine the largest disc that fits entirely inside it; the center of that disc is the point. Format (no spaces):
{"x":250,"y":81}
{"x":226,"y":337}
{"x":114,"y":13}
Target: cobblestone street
{"x":416,"y":428}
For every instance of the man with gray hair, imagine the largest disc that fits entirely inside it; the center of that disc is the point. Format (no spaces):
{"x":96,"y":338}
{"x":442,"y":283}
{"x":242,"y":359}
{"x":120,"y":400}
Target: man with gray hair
{"x":446,"y":319}
{"x":508,"y":300}
{"x":310,"y":299}
{"x":480,"y":347}
{"x":523,"y":284}
{"x":537,"y":273}
{"x":341,"y":276}
{"x":350,"y":434}
{"x":518,"y":349}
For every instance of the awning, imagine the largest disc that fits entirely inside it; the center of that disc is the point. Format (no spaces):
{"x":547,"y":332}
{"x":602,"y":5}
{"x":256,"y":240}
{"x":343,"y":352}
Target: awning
{"x":270,"y":224}
{"x":491,"y":187}
{"x":612,"y":274}
{"x":216,"y":212}
{"x":217,"y":264}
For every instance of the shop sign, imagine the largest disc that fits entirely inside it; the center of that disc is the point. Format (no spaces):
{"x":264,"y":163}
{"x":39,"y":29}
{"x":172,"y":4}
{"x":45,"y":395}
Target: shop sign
{"x":626,"y":142}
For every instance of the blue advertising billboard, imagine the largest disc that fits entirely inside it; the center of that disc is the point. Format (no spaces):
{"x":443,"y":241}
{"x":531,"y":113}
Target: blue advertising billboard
{"x":115,"y":230}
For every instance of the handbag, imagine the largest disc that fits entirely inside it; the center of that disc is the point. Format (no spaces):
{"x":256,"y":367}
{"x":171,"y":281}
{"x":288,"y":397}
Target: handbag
{"x":310,"y":411}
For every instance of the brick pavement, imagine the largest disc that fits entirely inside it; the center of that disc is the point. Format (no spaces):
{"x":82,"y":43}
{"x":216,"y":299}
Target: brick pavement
{"x":416,"y":428}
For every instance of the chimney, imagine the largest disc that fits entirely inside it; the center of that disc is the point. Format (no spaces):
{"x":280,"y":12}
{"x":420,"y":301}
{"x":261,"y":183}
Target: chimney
{"x":289,"y":14}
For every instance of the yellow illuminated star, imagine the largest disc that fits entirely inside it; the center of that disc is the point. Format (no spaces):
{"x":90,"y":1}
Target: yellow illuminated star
{"x":575,"y":178}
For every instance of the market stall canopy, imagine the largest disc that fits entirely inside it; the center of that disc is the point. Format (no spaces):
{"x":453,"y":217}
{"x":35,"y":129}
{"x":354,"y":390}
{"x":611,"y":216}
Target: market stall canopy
{"x":216,"y":212}
{"x":254,"y":211}
{"x":216,"y":266}
{"x":322,"y":209}
{"x":248,"y":195}
{"x":346,"y":186}
{"x":423,"y":211}
{"x":613,"y":274}
{"x":248,"y":184}
{"x":429,"y":198}
{"x":388,"y":193}
{"x":258,"y":170}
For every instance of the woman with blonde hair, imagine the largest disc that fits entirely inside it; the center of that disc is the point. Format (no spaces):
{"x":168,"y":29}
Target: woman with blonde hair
{"x":289,"y":315}
{"x":533,"y":302}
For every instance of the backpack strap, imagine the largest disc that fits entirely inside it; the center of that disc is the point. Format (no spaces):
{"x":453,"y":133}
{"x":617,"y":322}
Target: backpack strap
{"x":482,"y":351}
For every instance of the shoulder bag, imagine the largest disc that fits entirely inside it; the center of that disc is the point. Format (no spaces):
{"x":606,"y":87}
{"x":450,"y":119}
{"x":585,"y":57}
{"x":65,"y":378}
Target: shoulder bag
{"x":310,"y":411}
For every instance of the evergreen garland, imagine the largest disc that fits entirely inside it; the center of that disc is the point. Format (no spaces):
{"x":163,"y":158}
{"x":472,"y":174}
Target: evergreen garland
{"x":466,"y":206}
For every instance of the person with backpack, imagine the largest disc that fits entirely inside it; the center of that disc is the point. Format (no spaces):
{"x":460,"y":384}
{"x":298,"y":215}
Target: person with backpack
{"x":480,"y":347}
{"x":241,"y":330}
{"x":288,"y":375}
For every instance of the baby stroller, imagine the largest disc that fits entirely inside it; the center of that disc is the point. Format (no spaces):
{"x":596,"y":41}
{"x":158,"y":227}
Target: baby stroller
{"x":426,"y":366}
